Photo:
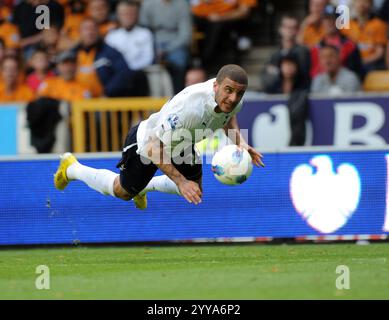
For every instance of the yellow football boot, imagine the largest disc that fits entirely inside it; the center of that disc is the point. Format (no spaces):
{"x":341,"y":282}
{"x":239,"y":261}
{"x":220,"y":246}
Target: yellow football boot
{"x":60,"y":178}
{"x":140,"y":201}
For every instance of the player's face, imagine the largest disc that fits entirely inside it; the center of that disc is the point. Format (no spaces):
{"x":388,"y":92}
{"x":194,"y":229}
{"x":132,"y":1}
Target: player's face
{"x":228,"y":94}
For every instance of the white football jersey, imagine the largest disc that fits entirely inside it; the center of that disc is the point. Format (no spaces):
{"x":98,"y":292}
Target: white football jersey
{"x":184,"y":120}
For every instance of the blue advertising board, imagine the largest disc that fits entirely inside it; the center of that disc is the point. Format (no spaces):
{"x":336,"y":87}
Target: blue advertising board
{"x":298,"y":194}
{"x":8,"y":130}
{"x":340,"y":121}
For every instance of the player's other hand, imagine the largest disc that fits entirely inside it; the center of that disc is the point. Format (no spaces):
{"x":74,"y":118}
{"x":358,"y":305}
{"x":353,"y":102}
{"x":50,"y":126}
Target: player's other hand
{"x":256,"y":156}
{"x":190,"y":190}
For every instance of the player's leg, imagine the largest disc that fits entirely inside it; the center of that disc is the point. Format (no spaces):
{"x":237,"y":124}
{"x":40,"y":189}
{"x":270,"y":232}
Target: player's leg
{"x":101,"y":180}
{"x":120,"y":192}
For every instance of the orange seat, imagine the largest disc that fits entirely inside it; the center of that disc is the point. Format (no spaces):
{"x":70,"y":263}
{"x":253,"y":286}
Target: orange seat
{"x":376,"y":81}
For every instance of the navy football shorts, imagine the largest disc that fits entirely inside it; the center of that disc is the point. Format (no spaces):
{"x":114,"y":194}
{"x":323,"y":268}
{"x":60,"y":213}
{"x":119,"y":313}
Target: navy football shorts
{"x":135,"y":174}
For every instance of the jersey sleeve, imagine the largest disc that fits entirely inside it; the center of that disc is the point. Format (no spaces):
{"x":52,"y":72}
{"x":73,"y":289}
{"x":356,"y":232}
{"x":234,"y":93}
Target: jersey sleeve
{"x":182,"y":114}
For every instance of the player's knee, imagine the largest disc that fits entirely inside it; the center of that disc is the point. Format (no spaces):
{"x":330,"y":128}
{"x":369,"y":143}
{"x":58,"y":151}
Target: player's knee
{"x":119,"y":191}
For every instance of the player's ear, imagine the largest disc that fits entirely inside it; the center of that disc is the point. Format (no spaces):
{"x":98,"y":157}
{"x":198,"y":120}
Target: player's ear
{"x":215,"y":86}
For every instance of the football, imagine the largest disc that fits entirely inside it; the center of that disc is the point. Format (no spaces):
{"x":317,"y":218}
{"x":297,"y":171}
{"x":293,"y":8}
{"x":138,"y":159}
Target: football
{"x":232,"y":165}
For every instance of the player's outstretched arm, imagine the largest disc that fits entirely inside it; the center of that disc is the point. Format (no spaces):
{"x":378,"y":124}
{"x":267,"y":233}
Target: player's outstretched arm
{"x":240,"y":141}
{"x":190,"y":190}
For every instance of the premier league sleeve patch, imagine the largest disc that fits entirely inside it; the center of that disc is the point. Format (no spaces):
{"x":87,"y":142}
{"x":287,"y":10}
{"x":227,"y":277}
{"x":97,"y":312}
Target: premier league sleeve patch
{"x":167,"y":127}
{"x":172,"y":123}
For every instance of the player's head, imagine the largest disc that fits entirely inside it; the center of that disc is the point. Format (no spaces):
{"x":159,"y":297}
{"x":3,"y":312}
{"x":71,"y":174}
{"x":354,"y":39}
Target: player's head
{"x":230,"y":86}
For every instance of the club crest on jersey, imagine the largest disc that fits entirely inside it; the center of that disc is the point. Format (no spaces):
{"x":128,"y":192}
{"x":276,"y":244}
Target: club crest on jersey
{"x":173,"y":121}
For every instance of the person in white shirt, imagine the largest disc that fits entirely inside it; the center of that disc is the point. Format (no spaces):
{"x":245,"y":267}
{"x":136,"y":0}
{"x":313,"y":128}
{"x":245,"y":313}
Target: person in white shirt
{"x":166,"y":141}
{"x":134,"y":42}
{"x":335,"y":79}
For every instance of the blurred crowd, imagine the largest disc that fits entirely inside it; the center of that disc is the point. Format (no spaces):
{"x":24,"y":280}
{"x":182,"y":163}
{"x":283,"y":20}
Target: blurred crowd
{"x":102,"y":48}
{"x":106,"y":48}
{"x":325,"y":53}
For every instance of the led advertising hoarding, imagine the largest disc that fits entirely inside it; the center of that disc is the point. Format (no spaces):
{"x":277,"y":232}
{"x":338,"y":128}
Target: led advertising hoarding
{"x":297,"y":194}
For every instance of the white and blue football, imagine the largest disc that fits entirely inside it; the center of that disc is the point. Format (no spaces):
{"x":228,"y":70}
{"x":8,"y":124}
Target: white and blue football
{"x":232,"y":165}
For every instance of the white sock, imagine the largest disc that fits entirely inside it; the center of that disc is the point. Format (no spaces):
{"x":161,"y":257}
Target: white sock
{"x":162,"y":184}
{"x":100,"y":180}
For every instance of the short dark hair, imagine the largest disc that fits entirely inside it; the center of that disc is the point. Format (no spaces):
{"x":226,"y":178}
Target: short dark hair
{"x":39,"y":49}
{"x":330,"y":46}
{"x":232,"y":72}
{"x":89,"y":19}
{"x":290,"y":57}
{"x":291,"y":17}
{"x":133,"y":3}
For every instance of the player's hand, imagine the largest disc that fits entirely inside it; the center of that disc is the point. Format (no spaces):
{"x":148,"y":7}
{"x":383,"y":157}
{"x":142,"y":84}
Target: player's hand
{"x":190,"y":190}
{"x":255,"y":155}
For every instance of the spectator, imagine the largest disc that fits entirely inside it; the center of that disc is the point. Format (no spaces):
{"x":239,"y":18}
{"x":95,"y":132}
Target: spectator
{"x":98,"y":10}
{"x":40,"y":65}
{"x":101,"y":68}
{"x":288,"y":31}
{"x":311,"y":29}
{"x":195,"y":75}
{"x":135,"y":43}
{"x":25,"y":17}
{"x":292,"y":83}
{"x":335,"y":79}
{"x":53,"y":43}
{"x":217,"y":19}
{"x":290,"y":78}
{"x":11,"y":89}
{"x":8,"y":31}
{"x":5,"y":12}
{"x":369,"y":32}
{"x":76,"y":13}
{"x":349,"y":52}
{"x":171,"y":23}
{"x":65,"y":86}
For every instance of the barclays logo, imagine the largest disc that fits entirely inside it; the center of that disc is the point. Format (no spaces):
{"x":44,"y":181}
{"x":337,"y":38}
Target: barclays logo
{"x":325,"y":198}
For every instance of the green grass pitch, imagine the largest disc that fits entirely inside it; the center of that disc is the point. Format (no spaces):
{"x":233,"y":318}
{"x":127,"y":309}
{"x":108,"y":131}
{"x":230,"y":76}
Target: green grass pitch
{"x":197,"y":272}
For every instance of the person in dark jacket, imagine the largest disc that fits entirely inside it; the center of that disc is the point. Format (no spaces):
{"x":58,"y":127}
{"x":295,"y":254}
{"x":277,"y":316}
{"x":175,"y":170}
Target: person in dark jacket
{"x":101,"y":68}
{"x":288,"y":30}
{"x":290,"y":78}
{"x":292,"y":83}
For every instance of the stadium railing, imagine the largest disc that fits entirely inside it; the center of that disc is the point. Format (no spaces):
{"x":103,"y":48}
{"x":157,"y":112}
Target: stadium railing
{"x":102,"y":124}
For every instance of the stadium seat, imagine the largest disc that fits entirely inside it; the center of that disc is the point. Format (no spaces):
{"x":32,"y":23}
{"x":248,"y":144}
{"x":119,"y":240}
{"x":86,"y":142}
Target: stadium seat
{"x":377,"y":81}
